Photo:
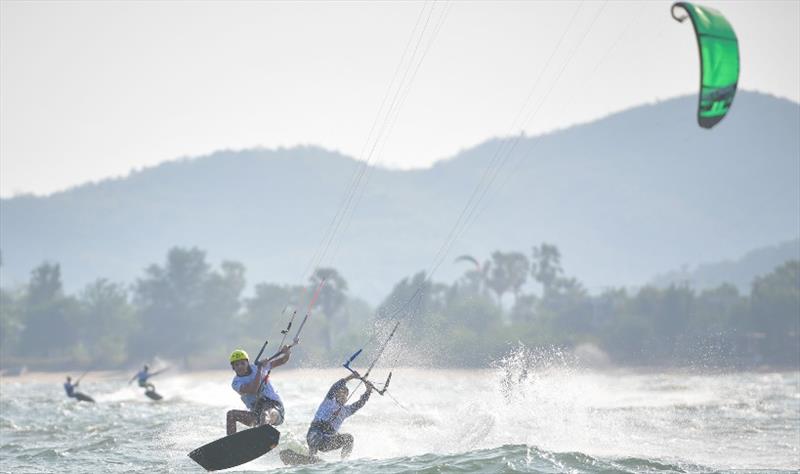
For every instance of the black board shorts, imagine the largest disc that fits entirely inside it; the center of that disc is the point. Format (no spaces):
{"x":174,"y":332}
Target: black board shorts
{"x":322,"y":437}
{"x":324,"y":441}
{"x":266,"y":404}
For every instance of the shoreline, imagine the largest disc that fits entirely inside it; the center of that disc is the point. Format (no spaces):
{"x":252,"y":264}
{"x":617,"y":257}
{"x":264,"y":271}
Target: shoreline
{"x":35,"y":376}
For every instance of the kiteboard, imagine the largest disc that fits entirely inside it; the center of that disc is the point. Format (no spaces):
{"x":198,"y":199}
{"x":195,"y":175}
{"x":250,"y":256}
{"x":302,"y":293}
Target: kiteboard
{"x":292,"y":458}
{"x":82,"y":397}
{"x":152,"y":394}
{"x":237,"y":448}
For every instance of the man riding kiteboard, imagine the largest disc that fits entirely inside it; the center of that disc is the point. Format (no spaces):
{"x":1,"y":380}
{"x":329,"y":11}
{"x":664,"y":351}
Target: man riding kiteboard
{"x":252,"y":383}
{"x":69,"y":387}
{"x":142,"y":376}
{"x":264,"y":407}
{"x":323,"y":435}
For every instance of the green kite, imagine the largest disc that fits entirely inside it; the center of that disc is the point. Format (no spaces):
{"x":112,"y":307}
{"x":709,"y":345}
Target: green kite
{"x":719,"y":60}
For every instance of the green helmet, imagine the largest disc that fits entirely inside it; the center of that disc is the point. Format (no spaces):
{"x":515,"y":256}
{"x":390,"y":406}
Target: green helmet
{"x":239,"y":354}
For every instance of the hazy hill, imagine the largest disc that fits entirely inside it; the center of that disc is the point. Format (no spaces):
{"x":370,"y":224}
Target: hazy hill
{"x":625,"y":197}
{"x":739,"y":272}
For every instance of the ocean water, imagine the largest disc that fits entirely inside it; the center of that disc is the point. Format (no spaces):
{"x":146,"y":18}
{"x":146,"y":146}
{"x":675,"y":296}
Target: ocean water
{"x":506,"y":419}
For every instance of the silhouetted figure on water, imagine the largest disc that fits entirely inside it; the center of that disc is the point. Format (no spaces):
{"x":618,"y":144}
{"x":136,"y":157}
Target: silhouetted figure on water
{"x":69,"y":387}
{"x":323,"y":435}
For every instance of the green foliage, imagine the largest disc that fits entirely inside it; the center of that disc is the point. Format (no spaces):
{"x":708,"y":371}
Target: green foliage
{"x":48,"y":315}
{"x":546,"y":266}
{"x":186,"y":307}
{"x":188,"y":311}
{"x":106,"y":321}
{"x":775,"y":301}
{"x":331,"y":300}
{"x":270,"y":308}
{"x":12,"y":322}
{"x":508,"y":272}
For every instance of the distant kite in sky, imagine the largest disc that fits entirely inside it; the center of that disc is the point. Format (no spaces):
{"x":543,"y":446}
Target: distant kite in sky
{"x":468,"y":258}
{"x":719,"y":60}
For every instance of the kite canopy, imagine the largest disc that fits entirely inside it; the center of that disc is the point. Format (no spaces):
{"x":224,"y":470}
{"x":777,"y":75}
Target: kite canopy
{"x":468,"y":258}
{"x":719,"y":60}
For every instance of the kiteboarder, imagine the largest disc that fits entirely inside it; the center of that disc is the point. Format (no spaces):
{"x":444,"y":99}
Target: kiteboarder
{"x":323,"y":435}
{"x":252,"y":383}
{"x":69,"y":387}
{"x":143,"y":375}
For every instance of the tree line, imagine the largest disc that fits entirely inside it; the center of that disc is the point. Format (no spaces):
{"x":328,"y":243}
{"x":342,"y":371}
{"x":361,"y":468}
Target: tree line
{"x":192,"y":313}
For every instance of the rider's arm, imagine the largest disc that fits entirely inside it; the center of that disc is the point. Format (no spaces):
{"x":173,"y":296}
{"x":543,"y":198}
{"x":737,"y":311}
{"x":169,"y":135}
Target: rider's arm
{"x":353,"y":375}
{"x":360,"y":403}
{"x":339,"y":384}
{"x":281,"y":357}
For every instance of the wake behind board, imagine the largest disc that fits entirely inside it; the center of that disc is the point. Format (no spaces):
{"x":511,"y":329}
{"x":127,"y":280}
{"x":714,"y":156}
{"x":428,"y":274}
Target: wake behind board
{"x":152,"y":394}
{"x":82,"y":397}
{"x":236,"y":449}
{"x":291,"y":458}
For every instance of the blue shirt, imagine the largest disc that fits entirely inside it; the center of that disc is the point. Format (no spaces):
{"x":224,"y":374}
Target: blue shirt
{"x":267,"y":390}
{"x":143,"y":375}
{"x":331,"y":411}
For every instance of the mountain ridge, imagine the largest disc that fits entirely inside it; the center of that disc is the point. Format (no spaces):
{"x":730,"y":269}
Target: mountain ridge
{"x":621,"y":196}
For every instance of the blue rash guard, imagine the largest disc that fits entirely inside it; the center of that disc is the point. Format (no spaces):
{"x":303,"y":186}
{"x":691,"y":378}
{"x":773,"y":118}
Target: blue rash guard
{"x":267,"y":397}
{"x":142,"y":377}
{"x":331,"y":414}
{"x":267,"y":390}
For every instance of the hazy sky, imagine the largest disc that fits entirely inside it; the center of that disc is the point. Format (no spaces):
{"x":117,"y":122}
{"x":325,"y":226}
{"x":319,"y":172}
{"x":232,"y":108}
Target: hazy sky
{"x":90,"y":90}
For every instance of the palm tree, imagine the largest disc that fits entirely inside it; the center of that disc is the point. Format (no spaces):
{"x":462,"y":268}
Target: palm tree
{"x":331,"y":298}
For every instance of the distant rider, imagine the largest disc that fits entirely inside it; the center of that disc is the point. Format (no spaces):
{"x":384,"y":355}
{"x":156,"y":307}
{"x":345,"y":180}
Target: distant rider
{"x":143,"y":375}
{"x":264,"y":405}
{"x":323,"y":435}
{"x":69,"y":387}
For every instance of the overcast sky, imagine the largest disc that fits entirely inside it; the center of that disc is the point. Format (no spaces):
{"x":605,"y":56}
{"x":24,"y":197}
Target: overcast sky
{"x":90,"y":90}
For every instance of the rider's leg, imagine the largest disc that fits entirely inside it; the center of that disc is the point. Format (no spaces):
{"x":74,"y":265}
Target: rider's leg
{"x":242,"y":416}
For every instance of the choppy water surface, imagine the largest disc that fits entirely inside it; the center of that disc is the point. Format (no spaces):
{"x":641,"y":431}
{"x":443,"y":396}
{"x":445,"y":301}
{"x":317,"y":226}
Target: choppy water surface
{"x":555,"y":420}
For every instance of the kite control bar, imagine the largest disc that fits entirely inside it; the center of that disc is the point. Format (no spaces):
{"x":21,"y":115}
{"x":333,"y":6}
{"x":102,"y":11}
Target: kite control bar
{"x":261,"y":351}
{"x":364,"y":377}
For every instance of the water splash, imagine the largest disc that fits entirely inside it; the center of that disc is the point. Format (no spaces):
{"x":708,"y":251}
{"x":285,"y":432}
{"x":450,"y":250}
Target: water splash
{"x":533,"y":411}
